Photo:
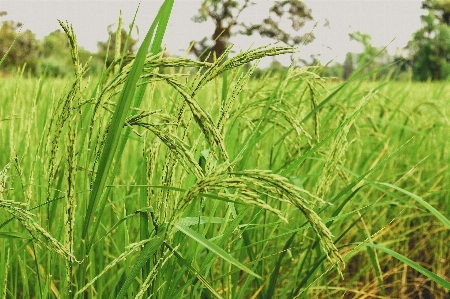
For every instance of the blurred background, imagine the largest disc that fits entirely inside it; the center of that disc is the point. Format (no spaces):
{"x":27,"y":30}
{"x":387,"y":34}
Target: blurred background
{"x":413,"y":34}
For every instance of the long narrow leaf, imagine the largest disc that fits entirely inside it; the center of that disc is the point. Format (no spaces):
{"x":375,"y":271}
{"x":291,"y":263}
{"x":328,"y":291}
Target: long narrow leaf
{"x":159,"y":24}
{"x":117,"y":123}
{"x":14,"y":235}
{"x":214,"y":248}
{"x":426,"y":205}
{"x":149,"y":249}
{"x":411,"y":263}
{"x":182,"y":261}
{"x":276,"y":271}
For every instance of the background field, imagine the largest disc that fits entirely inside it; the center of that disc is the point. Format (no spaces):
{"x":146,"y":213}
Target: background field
{"x":400,"y":136}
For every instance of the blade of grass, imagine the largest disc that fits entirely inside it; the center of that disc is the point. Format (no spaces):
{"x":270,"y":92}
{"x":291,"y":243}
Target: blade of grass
{"x":14,"y":235}
{"x":376,"y":267}
{"x":426,"y":205}
{"x":10,"y":47}
{"x":161,"y":22}
{"x":182,"y":261}
{"x":4,"y":267}
{"x":117,"y":123}
{"x":111,"y":150}
{"x":149,"y":249}
{"x":411,"y":263}
{"x":276,"y":271}
{"x":214,"y":248}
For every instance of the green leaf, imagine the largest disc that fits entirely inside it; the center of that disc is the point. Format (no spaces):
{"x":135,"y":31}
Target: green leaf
{"x":14,"y":235}
{"x":117,"y":123}
{"x":429,"y":207}
{"x":188,"y":221}
{"x":147,"y":253}
{"x":214,"y":248}
{"x":182,"y":261}
{"x":412,"y":264}
{"x":276,"y":271}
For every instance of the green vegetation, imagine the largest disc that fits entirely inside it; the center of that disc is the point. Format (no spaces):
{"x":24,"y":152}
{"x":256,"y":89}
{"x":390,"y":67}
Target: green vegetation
{"x":26,"y":41}
{"x":226,"y":15}
{"x":139,"y":183}
{"x":425,"y":56}
{"x":51,"y":57}
{"x":429,"y":49}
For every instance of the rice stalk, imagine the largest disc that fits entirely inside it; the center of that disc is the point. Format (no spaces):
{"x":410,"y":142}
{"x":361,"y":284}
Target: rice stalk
{"x":250,"y":185}
{"x":129,"y":250}
{"x":118,"y":41}
{"x":227,"y":105}
{"x":155,"y":271}
{"x":3,"y":178}
{"x":4,"y":265}
{"x":36,"y":231}
{"x":337,"y":151}
{"x":71,"y":115}
{"x":204,"y":121}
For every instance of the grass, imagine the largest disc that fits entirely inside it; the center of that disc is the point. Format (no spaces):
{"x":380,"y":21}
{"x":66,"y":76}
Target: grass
{"x":216,"y":185}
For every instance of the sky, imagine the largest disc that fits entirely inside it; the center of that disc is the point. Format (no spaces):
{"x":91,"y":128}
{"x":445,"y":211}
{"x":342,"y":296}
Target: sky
{"x":390,"y":23}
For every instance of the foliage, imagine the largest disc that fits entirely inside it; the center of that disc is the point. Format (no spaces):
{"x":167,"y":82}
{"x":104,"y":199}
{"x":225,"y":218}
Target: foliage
{"x":333,"y":71}
{"x":440,"y":9}
{"x":226,"y":17}
{"x":25,"y":47}
{"x":50,"y":56}
{"x":430,"y":49}
{"x":56,"y":44}
{"x":206,"y":228}
{"x":55,"y":55}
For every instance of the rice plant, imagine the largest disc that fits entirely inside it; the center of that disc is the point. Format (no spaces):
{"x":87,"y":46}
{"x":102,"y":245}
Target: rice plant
{"x":144,"y":183}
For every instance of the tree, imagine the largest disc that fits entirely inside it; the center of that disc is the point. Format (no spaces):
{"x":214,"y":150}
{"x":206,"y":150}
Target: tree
{"x":225,"y":15}
{"x":440,"y":8}
{"x":349,"y":65}
{"x":55,"y":55}
{"x":25,"y":47}
{"x":430,"y":49}
{"x":56,"y":44}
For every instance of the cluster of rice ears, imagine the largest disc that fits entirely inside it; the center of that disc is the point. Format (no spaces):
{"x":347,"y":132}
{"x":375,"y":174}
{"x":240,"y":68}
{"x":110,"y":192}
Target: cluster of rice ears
{"x":156,"y":182}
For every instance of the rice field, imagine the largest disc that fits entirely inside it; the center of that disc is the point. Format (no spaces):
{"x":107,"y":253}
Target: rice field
{"x":215,"y":184}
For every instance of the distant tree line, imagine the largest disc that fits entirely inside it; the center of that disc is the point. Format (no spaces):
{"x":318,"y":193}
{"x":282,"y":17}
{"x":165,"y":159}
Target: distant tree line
{"x":428,"y":52}
{"x":51,"y":56}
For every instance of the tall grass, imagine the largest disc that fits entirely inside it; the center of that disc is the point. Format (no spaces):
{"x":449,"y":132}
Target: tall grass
{"x":143,"y":183}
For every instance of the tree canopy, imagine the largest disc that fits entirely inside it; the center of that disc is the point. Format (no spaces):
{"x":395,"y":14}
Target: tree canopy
{"x":440,"y":8}
{"x":25,"y":46}
{"x":430,"y":45}
{"x":226,"y":17}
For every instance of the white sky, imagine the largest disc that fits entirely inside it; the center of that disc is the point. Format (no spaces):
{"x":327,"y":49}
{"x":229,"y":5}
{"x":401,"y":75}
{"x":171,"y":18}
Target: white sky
{"x":384,"y":20}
